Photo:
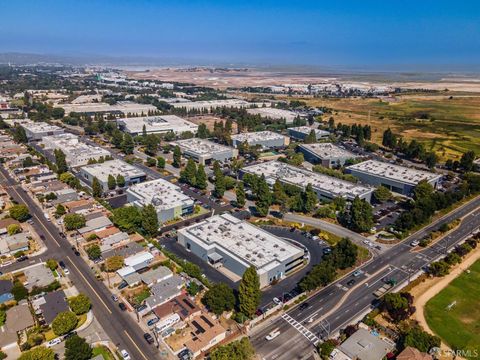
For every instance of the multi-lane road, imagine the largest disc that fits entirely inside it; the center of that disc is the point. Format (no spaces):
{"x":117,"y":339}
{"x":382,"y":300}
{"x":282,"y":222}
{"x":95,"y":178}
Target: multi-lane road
{"x":338,"y":304}
{"x":120,"y":327}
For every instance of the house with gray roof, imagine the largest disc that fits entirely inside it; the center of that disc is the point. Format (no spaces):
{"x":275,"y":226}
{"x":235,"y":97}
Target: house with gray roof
{"x":38,"y":276}
{"x":95,"y":224}
{"x":363,"y":345}
{"x":53,"y":304}
{"x":164,"y":291}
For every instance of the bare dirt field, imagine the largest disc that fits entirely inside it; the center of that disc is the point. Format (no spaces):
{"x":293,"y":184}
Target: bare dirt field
{"x":209,"y":120}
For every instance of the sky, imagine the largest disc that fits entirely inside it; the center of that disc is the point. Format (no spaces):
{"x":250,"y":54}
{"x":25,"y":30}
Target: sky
{"x":331,"y":33}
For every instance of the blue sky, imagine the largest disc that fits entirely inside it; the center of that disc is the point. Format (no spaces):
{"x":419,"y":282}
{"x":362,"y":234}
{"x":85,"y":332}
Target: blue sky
{"x":353,"y":33}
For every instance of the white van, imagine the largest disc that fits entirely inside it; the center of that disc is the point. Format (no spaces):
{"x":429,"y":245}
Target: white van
{"x":167,"y":322}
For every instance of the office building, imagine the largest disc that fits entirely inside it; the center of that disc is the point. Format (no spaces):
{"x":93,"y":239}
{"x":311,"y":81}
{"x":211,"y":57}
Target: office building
{"x":168,"y":199}
{"x":205,"y":151}
{"x":225,"y":241}
{"x":159,"y":124}
{"x":326,"y":187}
{"x":120,"y":108}
{"x":397,"y":178}
{"x":274,"y":113}
{"x":301,"y":132}
{"x":37,"y":130}
{"x":265,"y":139}
{"x":325,"y":154}
{"x":101,"y":171}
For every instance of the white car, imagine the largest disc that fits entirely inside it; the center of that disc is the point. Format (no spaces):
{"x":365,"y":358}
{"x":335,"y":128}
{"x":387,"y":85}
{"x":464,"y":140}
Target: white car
{"x":276,"y":300}
{"x":414,"y":243}
{"x":272,"y":335}
{"x":125,"y":355}
{"x":66,"y":271}
{"x":54,"y":342}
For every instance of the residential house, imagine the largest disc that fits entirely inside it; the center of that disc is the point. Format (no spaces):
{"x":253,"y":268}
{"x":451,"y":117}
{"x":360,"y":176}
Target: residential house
{"x":52,"y":304}
{"x":164,"y":291}
{"x":363,"y":345}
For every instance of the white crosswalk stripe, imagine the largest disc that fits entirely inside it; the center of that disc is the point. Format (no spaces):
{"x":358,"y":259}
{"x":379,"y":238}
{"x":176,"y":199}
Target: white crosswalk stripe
{"x":301,"y":329}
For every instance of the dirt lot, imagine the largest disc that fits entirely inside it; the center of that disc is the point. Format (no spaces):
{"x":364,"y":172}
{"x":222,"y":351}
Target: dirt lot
{"x":209,"y":120}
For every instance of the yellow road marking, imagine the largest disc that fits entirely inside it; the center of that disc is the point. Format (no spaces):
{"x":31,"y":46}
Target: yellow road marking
{"x":91,"y":287}
{"x":133,"y":342}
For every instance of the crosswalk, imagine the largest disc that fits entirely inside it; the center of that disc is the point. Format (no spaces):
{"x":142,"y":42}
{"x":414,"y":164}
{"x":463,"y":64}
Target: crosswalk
{"x":301,"y":329}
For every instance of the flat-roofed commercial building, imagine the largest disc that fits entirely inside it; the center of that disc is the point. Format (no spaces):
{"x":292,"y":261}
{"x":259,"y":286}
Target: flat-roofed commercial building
{"x":123,"y":107}
{"x":168,"y":199}
{"x":115,"y":167}
{"x":326,"y":187}
{"x":211,"y":104}
{"x":301,"y":132}
{"x":225,"y":241}
{"x":205,"y":151}
{"x":37,"y":130}
{"x":76,"y":152}
{"x":160,"y":124}
{"x":266,"y":139}
{"x":325,"y":154}
{"x":399,"y":179}
{"x":273,"y":113}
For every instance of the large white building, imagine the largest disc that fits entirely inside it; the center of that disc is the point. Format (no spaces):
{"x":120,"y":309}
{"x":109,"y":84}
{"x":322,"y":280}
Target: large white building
{"x":326,"y":154}
{"x":273,"y":113}
{"x":124,"y":107}
{"x":159,"y":124}
{"x":224,"y":240}
{"x":326,"y":187}
{"x":399,"y":179}
{"x":167,"y":198}
{"x":76,"y":152}
{"x":301,"y":132}
{"x":101,"y":171}
{"x":212,"y":104}
{"x":205,"y":151}
{"x":37,"y":130}
{"x":266,"y":139}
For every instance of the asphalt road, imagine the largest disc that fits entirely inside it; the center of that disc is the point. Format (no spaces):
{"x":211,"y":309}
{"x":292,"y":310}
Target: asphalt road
{"x":120,"y":327}
{"x":336,"y":305}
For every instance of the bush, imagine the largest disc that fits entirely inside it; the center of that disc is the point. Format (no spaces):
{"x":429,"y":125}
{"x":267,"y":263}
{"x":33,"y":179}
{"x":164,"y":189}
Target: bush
{"x":76,"y":348}
{"x":13,"y":229}
{"x":52,"y":264}
{"x":19,"y":212}
{"x":94,"y":252}
{"x":79,"y":304}
{"x":74,"y":221}
{"x":64,"y":323}
{"x":38,"y":353}
{"x":19,"y":291}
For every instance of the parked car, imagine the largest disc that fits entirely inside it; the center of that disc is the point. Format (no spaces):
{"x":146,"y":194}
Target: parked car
{"x":276,"y":300}
{"x":148,"y":338}
{"x":122,"y":306}
{"x":66,"y":271}
{"x":259,"y":312}
{"x":22,"y":258}
{"x":140,"y":308}
{"x":152,"y":322}
{"x":287,"y":297}
{"x":54,"y":342}
{"x":125,"y":355}
{"x":304,"y":306}
{"x":357,"y":273}
{"x":414,"y":243}
{"x":69,"y":335}
{"x":122,"y":285}
{"x":185,"y":354}
{"x":61,"y":264}
{"x":114,"y":298}
{"x":351,"y":282}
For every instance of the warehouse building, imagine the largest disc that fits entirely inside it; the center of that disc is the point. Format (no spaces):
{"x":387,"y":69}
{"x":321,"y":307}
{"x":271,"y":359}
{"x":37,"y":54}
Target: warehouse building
{"x":397,"y":178}
{"x":37,"y":130}
{"x":76,"y":152}
{"x":225,"y":241}
{"x":326,"y":187}
{"x":205,"y":151}
{"x":275,"y":114}
{"x":325,"y":154}
{"x":115,"y":167}
{"x":301,"y":132}
{"x":266,"y":139}
{"x":168,"y":199}
{"x":120,"y":108}
{"x":212,"y":104}
{"x":156,"y":125}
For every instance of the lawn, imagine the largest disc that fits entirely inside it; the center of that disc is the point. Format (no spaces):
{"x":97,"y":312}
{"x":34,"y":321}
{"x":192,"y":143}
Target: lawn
{"x":448,"y":126}
{"x":458,"y":327}
{"x":102,"y":350}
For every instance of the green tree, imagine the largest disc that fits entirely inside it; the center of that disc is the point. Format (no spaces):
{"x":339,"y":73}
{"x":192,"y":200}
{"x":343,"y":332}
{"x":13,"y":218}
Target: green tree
{"x":160,"y":162}
{"x":264,"y":197}
{"x":419,"y":339}
{"x":240,"y":194}
{"x":61,"y":161}
{"x":3,"y":318}
{"x":202,"y":132}
{"x":127,"y":144}
{"x":151,"y":162}
{"x":76,"y":348}
{"x":19,"y":135}
{"x":28,"y":162}
{"x":60,"y":210}
{"x":151,"y":144}
{"x":344,"y":254}
{"x":52,"y":264}
{"x":249,"y":294}
{"x":382,"y":194}
{"x":187,"y":175}
{"x":237,"y":350}
{"x":97,"y":188}
{"x":201,"y":178}
{"x":177,"y":157}
{"x":360,"y":216}
{"x":321,"y":275}
{"x":127,"y":218}
{"x":310,"y":199}
{"x":466,"y":161}
{"x":325,"y":348}
{"x":120,"y":180}
{"x":423,"y":190}
{"x":79,"y":304}
{"x":219,"y":298}
{"x":19,"y":291}
{"x":389,"y":139}
{"x":280,"y":197}
{"x":94,"y":252}
{"x":431,"y":159}
{"x":117,"y":138}
{"x":111,"y":182}
{"x":150,"y":220}
{"x":19,"y":212}
{"x":64,"y":322}
{"x":311,"y":137}
{"x":74,"y":221}
{"x":113,"y":263}
{"x":397,"y":305}
{"x":439,"y":268}
{"x":58,"y":113}
{"x":38,"y":353}
{"x":13,"y":229}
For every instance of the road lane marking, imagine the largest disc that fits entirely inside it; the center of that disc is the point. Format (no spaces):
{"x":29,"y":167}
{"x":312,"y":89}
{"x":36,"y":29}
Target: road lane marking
{"x":48,"y":231}
{"x":88,"y":283}
{"x":134,"y":344}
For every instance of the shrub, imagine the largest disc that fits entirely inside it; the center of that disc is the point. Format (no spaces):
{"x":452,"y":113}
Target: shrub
{"x":64,"y":323}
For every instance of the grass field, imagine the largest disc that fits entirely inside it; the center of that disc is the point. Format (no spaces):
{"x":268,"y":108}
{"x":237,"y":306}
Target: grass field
{"x":448,"y":126}
{"x":460,"y":326}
